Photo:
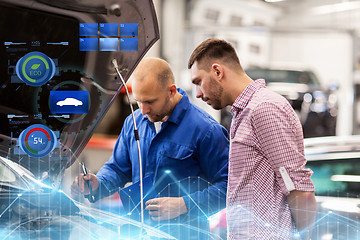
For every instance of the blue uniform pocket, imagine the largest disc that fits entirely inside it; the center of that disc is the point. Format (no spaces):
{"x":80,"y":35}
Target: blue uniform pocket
{"x":176,"y":163}
{"x":178,"y":152}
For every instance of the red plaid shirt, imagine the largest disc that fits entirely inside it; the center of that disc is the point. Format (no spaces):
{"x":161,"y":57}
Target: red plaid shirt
{"x":266,"y":139}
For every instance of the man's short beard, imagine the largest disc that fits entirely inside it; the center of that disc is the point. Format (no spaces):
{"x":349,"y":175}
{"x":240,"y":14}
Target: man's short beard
{"x":216,"y":94}
{"x":159,"y":117}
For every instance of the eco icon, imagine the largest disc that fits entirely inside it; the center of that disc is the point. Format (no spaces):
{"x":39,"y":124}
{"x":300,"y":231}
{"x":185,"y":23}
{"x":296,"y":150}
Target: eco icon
{"x":35,"y":68}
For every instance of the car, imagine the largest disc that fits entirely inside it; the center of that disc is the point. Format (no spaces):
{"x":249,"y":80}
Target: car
{"x":69,"y":102}
{"x":316,"y":106}
{"x":43,"y":52}
{"x":30,"y":209}
{"x":54,"y":49}
{"x":335,"y":162}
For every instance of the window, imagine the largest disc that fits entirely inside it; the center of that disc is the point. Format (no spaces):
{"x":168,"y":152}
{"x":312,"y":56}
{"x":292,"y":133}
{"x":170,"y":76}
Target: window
{"x":236,"y":20}
{"x":212,"y":15}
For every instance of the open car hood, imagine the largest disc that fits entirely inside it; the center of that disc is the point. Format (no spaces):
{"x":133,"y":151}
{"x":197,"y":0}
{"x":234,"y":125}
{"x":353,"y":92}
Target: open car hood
{"x":56,"y":76}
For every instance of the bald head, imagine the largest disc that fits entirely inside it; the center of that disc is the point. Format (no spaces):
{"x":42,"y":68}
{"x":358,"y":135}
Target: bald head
{"x":154,"y":68}
{"x":154,"y":89}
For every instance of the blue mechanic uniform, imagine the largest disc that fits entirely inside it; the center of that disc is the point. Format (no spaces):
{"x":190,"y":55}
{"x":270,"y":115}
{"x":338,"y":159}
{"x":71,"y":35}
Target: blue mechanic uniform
{"x":187,"y":158}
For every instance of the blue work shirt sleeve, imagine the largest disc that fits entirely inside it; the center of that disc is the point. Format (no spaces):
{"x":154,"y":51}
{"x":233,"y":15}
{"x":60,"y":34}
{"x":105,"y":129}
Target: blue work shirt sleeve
{"x":117,"y":171}
{"x":213,"y":156}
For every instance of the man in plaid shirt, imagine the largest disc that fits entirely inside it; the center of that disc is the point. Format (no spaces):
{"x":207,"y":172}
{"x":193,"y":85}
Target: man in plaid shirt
{"x":270,"y":194}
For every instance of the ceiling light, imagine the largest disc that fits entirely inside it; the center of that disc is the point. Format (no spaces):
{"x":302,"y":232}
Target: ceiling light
{"x":272,"y":1}
{"x":337,"y":7}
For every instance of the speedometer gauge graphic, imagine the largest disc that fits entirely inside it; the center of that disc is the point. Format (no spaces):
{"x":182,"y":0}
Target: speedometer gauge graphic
{"x":37,"y":140}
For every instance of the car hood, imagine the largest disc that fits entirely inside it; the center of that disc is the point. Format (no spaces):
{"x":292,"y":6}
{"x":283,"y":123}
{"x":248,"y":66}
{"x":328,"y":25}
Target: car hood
{"x":26,"y":203}
{"x":76,"y":44}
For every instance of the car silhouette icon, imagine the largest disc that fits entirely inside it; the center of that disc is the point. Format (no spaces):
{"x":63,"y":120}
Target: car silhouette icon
{"x":69,"y":102}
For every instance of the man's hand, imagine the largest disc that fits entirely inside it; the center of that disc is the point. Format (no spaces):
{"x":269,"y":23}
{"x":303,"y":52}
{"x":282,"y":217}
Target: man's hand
{"x":165,"y":208}
{"x":80,"y":187}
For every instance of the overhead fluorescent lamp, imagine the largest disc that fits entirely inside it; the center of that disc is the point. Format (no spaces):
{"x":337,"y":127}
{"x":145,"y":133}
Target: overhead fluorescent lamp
{"x":272,"y":1}
{"x":345,"y":178}
{"x":337,"y":7}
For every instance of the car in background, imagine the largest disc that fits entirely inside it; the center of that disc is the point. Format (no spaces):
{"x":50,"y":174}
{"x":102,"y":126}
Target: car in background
{"x":315,"y":105}
{"x":335,"y":161}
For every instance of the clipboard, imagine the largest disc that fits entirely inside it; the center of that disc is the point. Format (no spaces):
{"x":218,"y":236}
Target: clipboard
{"x":130,"y":197}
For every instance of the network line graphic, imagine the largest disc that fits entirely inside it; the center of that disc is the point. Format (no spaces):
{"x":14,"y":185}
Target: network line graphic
{"x":329,"y":224}
{"x":332,"y":222}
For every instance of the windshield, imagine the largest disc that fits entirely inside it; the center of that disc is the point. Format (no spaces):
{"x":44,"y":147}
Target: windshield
{"x":284,"y":76}
{"x":337,"y":178}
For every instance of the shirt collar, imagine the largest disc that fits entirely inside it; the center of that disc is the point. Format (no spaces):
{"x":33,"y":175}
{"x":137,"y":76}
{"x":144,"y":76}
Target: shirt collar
{"x":179,"y":110}
{"x":243,"y":99}
{"x":181,"y":107}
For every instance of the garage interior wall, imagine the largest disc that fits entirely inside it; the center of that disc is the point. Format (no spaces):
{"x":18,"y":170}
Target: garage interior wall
{"x":329,"y":55}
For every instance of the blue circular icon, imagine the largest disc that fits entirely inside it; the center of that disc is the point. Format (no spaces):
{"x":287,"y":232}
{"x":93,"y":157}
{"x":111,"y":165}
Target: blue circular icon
{"x":37,"y":140}
{"x":35,"y":68}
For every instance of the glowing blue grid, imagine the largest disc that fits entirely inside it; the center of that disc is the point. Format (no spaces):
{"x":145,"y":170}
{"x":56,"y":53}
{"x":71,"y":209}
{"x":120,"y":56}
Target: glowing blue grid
{"x":88,"y":29}
{"x":88,"y":44}
{"x":128,"y":44}
{"x":108,"y":29}
{"x":128,"y":29}
{"x":109,"y":44}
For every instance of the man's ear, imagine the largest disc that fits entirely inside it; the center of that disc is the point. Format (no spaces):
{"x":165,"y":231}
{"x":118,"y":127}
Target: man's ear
{"x":218,"y":71}
{"x":173,"y":90}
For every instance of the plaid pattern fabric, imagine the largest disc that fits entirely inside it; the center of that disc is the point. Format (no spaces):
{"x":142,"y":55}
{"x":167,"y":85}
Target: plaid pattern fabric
{"x":266,"y":135}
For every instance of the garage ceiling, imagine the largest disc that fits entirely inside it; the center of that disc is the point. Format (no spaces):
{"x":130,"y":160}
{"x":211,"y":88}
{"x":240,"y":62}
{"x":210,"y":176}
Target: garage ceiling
{"x":328,"y":14}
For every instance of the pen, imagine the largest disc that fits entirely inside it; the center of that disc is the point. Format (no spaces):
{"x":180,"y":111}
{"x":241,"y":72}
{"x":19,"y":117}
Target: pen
{"x":91,"y":195}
